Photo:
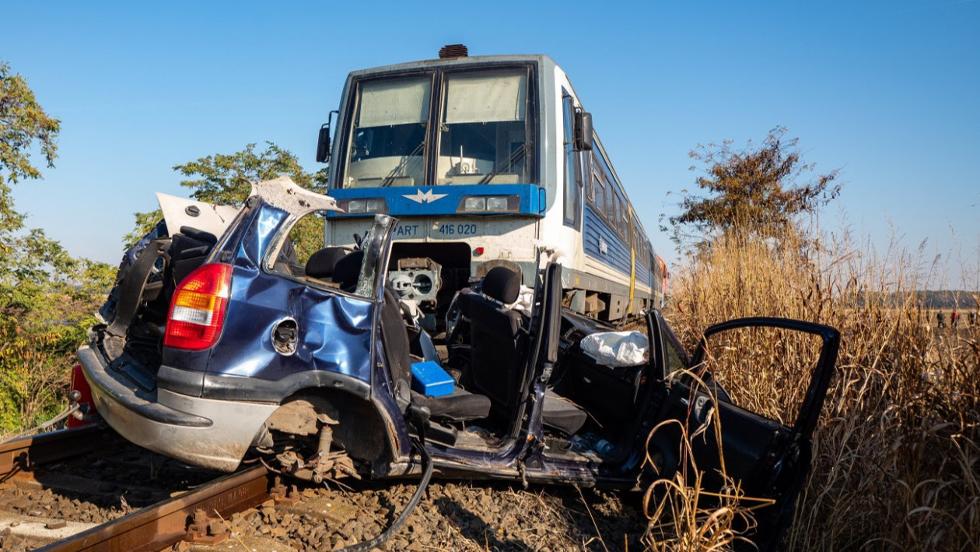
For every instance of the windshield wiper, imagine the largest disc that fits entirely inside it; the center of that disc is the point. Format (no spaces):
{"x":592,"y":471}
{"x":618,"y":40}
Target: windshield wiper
{"x":401,"y":166}
{"x":514,"y":157}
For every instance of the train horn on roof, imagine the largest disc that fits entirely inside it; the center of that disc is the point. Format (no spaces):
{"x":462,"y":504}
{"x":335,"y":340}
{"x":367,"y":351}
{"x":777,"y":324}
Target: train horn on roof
{"x":453,"y":51}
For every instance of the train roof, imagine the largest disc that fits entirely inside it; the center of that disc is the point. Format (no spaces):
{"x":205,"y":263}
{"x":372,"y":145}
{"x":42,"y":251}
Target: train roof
{"x":540,"y":59}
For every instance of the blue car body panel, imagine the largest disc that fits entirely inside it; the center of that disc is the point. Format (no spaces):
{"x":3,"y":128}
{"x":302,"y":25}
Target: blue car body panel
{"x":334,"y":329}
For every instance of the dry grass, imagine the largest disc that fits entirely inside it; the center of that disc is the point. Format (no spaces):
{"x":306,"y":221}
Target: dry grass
{"x":896,"y":451}
{"x":675,"y":506}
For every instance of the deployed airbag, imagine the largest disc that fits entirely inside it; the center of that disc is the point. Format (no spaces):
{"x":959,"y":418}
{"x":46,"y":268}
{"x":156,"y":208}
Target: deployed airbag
{"x":616,"y":349}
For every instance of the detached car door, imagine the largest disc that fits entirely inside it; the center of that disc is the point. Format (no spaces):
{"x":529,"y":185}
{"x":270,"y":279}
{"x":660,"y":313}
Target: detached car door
{"x":768,"y":459}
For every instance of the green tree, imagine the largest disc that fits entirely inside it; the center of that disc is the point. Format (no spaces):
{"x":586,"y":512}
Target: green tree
{"x":755,"y":192}
{"x":23,"y":124}
{"x":226,"y":179}
{"x":47,"y":297}
{"x":25,"y":258}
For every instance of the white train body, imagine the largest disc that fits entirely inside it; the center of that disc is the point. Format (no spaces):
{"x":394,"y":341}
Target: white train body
{"x":478,"y":159}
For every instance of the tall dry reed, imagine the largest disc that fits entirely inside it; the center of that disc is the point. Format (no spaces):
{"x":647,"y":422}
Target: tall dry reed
{"x":896,"y":451}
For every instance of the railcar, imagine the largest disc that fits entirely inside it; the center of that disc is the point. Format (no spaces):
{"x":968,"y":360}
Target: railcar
{"x":486,"y":161}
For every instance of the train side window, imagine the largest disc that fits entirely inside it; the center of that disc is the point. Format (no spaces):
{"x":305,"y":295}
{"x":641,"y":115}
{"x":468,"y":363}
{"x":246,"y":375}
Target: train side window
{"x":620,"y":218}
{"x":592,"y":184}
{"x":598,"y":189}
{"x":616,"y":213}
{"x":610,"y":205}
{"x":624,"y":222}
{"x":573,"y":189}
{"x":594,"y":180}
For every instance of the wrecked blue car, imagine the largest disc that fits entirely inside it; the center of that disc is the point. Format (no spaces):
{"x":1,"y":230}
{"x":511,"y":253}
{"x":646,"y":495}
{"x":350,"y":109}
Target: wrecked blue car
{"x":220,"y":342}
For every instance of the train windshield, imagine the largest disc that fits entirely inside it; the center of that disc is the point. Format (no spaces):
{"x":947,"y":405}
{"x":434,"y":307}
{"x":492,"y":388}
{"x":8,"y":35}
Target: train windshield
{"x":483,"y":132}
{"x":387,"y":144}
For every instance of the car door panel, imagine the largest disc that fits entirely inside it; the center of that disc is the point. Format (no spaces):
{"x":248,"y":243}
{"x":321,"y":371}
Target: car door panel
{"x":768,"y":459}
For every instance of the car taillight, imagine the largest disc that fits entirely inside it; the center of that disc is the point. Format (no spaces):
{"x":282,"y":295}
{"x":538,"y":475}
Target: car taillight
{"x":197,"y":309}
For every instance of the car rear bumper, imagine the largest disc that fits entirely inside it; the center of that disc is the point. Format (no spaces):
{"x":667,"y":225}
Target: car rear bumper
{"x":205,"y":432}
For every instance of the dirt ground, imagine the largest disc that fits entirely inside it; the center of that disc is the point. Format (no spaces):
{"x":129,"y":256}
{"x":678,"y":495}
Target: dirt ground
{"x":454,"y":516}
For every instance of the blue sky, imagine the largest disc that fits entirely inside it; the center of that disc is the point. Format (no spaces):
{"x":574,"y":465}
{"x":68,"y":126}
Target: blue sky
{"x":887,"y":92}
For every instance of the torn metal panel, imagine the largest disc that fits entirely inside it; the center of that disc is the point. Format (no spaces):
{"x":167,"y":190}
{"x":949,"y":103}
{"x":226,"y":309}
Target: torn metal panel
{"x":285,"y":194}
{"x":180,"y":211}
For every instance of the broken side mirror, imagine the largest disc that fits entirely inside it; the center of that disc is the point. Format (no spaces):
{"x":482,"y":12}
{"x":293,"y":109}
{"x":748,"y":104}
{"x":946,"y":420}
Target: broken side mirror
{"x":583,"y":131}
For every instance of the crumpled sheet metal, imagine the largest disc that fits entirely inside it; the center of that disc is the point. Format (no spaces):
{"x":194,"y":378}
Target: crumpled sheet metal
{"x":285,"y":194}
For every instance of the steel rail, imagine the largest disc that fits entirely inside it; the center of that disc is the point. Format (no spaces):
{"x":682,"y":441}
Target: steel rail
{"x":20,"y":456}
{"x":165,"y":523}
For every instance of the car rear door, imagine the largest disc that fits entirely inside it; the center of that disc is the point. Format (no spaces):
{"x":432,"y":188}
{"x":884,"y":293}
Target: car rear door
{"x":768,"y":459}
{"x":287,"y":333}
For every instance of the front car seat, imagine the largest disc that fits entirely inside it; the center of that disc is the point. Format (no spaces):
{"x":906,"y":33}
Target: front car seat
{"x":321,"y":265}
{"x":499,"y":351}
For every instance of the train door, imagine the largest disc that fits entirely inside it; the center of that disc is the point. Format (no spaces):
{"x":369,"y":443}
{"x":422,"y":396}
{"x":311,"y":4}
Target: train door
{"x":572,"y":172}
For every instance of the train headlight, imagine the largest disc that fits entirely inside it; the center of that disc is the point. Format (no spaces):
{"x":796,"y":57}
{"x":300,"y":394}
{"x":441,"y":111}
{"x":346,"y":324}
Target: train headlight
{"x":364,"y":206}
{"x":489,"y":204}
{"x":475,"y":204}
{"x":496,"y":203}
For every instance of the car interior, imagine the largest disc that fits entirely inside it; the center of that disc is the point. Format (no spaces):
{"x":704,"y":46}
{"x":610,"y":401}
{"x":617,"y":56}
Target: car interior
{"x":587,"y":407}
{"x":136,"y":309}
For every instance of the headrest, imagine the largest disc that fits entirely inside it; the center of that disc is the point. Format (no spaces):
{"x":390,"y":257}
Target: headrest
{"x":199,"y":235}
{"x":347,"y":269}
{"x":502,"y":284}
{"x":323,"y":263}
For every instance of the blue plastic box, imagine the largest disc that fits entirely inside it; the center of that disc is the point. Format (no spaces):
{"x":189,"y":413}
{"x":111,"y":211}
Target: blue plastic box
{"x":431,"y":380}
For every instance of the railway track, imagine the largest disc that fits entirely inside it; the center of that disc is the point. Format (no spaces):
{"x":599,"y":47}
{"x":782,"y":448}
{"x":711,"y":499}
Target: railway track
{"x":88,"y":490}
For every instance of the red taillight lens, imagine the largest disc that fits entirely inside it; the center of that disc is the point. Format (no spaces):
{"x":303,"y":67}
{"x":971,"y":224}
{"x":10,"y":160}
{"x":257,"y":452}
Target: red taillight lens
{"x":197,"y":309}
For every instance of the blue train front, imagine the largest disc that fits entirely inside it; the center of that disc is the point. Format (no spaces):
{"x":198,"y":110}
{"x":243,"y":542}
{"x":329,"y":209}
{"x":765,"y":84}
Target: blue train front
{"x":486,"y":161}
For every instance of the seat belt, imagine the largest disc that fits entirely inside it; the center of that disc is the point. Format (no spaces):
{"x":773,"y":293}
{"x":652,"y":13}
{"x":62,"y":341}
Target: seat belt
{"x":131,"y":288}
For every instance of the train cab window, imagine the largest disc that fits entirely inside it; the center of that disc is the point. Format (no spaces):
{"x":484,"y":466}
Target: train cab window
{"x":484,"y":130}
{"x":387,"y":142}
{"x":573,"y":189}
